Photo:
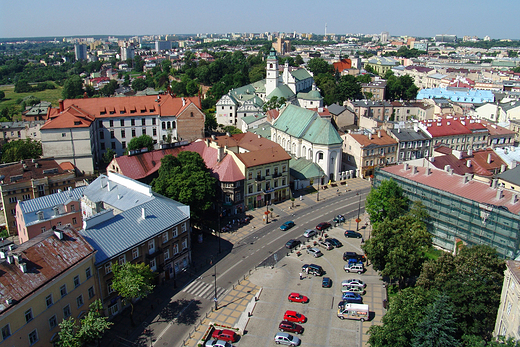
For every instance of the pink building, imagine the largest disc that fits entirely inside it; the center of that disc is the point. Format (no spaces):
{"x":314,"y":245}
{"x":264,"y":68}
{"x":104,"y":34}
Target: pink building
{"x":42,"y":214}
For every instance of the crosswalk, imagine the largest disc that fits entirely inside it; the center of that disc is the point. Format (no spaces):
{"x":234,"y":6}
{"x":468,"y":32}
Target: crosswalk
{"x":204,"y":290}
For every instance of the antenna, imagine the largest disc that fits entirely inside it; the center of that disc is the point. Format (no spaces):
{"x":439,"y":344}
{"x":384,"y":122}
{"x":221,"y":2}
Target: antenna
{"x":325,"y":29}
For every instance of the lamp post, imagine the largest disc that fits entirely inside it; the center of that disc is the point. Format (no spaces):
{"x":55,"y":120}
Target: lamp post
{"x":215,"y":298}
{"x":318,"y":195}
{"x":358,"y":211}
{"x":219,"y":227}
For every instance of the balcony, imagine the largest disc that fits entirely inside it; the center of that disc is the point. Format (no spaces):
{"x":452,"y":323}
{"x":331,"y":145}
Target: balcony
{"x":158,"y":250}
{"x":260,"y":178}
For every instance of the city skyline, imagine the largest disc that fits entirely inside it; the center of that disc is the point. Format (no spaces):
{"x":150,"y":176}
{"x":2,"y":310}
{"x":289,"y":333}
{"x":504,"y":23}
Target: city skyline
{"x":62,"y":18}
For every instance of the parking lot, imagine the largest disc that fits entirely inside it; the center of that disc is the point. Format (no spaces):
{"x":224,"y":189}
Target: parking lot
{"x":323,"y":327}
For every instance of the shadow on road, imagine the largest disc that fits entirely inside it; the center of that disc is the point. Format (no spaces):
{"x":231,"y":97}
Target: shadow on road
{"x":184,"y":311}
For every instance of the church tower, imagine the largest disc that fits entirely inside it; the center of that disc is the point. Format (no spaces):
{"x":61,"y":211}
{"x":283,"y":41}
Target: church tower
{"x":271,"y":79}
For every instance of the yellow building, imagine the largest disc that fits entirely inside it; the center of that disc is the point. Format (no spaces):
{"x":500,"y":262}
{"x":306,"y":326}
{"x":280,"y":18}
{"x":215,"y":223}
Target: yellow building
{"x":508,"y":316}
{"x":43,"y":281}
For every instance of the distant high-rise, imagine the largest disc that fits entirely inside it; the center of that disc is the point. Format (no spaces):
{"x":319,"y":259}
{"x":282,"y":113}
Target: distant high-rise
{"x":445,"y":38}
{"x":80,"y":51}
{"x":384,"y":37}
{"x":162,"y":46}
{"x":127,"y":53}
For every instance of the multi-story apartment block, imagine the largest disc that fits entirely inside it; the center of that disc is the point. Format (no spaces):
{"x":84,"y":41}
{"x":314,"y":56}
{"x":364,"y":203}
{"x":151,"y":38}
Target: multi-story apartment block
{"x":38,"y":215}
{"x":21,"y":130}
{"x":461,"y":209}
{"x":30,"y":179}
{"x":375,"y":88}
{"x":459,"y":133}
{"x":82,"y":130}
{"x":42,"y":282}
{"x":413,"y":143}
{"x":508,"y":316}
{"x":406,"y":111}
{"x":125,"y":221}
{"x":365,"y":151}
{"x":379,"y":110}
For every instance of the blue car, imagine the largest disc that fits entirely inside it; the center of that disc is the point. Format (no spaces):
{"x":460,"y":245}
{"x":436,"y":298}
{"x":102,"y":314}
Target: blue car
{"x":352,"y":298}
{"x":287,"y":225}
{"x":326,"y":282}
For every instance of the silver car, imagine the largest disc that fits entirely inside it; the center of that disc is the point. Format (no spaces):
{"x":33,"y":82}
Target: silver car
{"x":309,"y":233}
{"x":217,"y":343}
{"x":315,"y":252}
{"x":286,"y":339}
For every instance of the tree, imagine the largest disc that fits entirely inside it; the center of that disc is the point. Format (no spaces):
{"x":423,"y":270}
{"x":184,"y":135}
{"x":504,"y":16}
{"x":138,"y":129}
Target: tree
{"x":72,"y":88}
{"x":143,"y":141}
{"x":108,"y":155}
{"x":348,"y":88}
{"x":399,"y":323}
{"x":2,"y":94}
{"x":21,"y":149}
{"x":139,"y":84}
{"x":93,"y":325}
{"x":318,"y":65}
{"x":138,"y":64}
{"x":437,"y":328}
{"x":186,"y":179}
{"x":132,"y":282}
{"x":387,"y":200}
{"x":298,"y":60}
{"x":274,"y":103}
{"x":67,"y":334}
{"x":516,"y":69}
{"x":210,"y":124}
{"x":232,"y":130}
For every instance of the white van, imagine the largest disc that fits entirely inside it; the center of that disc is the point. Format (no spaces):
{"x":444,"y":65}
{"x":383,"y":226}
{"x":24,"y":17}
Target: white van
{"x":354,"y":311}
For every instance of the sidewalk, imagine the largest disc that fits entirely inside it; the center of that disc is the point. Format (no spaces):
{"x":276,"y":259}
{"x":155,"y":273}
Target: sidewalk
{"x":152,"y":314}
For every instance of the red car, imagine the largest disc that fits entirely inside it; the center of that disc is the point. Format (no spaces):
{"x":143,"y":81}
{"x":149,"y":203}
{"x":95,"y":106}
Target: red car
{"x":224,"y":334}
{"x":290,"y":327}
{"x":297,"y":297}
{"x":293,"y":316}
{"x":323,"y":226}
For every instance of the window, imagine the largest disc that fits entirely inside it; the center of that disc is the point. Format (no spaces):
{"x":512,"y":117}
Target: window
{"x":108,"y":268}
{"x":122,"y":122}
{"x":167,"y":254}
{"x":151,"y":246}
{"x":152,"y":264}
{"x":33,"y":337}
{"x":133,"y":132}
{"x":79,"y":301}
{"x":6,"y":331}
{"x":154,"y":131}
{"x":74,"y":220}
{"x":43,"y":229}
{"x":66,"y":311}
{"x":101,"y":135}
{"x":259,"y":187}
{"x":174,"y":233}
{"x":48,"y":300}
{"x":113,"y":310}
{"x":123,"y":134}
{"x":102,"y":146}
{"x":143,"y":121}
{"x":109,"y":287}
{"x":132,"y":122}
{"x":123,"y":144}
{"x":88,"y":273}
{"x":184,"y":244}
{"x":53,"y":323}
{"x":284,"y":168}
{"x":165,"y":237}
{"x":144,"y":131}
{"x":112,"y":135}
{"x":153,"y":121}
{"x":267,"y":172}
{"x":12,"y":200}
{"x":63,"y":290}
{"x":250,"y":189}
{"x":135,"y":253}
{"x":13,"y":212}
{"x":183,"y":227}
{"x":76,"y":281}
{"x":111,"y":122}
{"x":73,"y":207}
{"x":176,"y":248}
{"x":26,"y":196}
{"x":250,"y":175}
{"x":91,"y":292}
{"x":28,"y":315}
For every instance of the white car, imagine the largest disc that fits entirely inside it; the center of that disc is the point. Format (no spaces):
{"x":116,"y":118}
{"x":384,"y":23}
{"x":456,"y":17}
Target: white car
{"x":286,"y":339}
{"x":315,"y":252}
{"x":354,"y":282}
{"x":309,"y":233}
{"x":217,"y":343}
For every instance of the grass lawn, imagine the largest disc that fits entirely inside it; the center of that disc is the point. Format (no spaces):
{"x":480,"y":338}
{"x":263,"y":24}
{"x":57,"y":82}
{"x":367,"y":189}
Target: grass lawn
{"x":51,"y":95}
{"x":433,"y":253}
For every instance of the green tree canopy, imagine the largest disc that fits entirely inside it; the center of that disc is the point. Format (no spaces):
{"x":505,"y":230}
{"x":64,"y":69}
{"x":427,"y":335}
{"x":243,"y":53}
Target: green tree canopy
{"x":2,"y":94}
{"x":72,"y":88}
{"x":387,"y":200}
{"x":274,"y":103}
{"x":210,"y":124}
{"x":132,"y":281}
{"x":186,"y":179}
{"x":21,"y":149}
{"x":319,"y":65}
{"x":473,"y":280}
{"x":67,"y":334}
{"x":232,"y":130}
{"x":143,"y":141}
{"x":348,"y":88}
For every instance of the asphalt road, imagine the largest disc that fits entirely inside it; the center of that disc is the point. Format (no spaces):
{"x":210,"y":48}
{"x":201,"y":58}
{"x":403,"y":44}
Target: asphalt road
{"x":249,"y":253}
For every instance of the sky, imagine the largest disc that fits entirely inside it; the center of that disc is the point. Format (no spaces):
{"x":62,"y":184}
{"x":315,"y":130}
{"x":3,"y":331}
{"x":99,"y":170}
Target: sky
{"x":64,"y":18}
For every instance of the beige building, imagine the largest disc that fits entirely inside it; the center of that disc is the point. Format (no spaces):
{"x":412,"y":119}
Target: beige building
{"x":508,"y":316}
{"x":45,"y":280}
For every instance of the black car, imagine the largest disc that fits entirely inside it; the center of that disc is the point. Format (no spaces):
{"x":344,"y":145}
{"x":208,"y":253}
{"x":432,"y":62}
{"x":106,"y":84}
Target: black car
{"x":352,"y":233}
{"x":292,"y":243}
{"x":326,"y":282}
{"x":353,"y":255}
{"x":312,"y":269}
{"x":334,"y":242}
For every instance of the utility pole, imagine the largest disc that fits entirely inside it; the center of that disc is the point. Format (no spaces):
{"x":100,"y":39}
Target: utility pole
{"x":215,"y":299}
{"x":358,"y":211}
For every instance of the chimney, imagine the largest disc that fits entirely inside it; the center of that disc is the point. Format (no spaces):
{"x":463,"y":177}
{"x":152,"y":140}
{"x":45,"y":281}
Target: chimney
{"x":370,"y":136}
{"x":468,"y":163}
{"x":513,"y":164}
{"x":414,"y":170}
{"x":379,"y":133}
{"x":432,"y":159}
{"x":23,"y":267}
{"x":220,"y":154}
{"x":143,"y":213}
{"x":3,"y":254}
{"x":40,"y":215}
{"x":428,"y":171}
{"x":10,"y":259}
{"x":489,"y":158}
{"x":500,"y":194}
{"x":494,"y":183}
{"x":183,"y":102}
{"x":213,"y":137}
{"x":406,"y":166}
{"x":447,"y":168}
{"x":59,"y":234}
{"x":56,"y":211}
{"x":61,"y":105}
{"x":398,"y":130}
{"x":502,"y":168}
{"x":470,"y":152}
{"x":514,"y":198}
{"x":467,"y":177}
{"x":108,"y":185}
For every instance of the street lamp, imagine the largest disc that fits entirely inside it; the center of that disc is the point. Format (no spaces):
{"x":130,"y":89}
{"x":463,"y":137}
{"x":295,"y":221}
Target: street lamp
{"x":215,"y":298}
{"x":358,"y":211}
{"x":219,"y":228}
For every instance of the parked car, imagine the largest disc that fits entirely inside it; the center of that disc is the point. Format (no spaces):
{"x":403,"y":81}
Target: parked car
{"x":354,"y":282}
{"x":312,"y":269}
{"x":286,"y":339}
{"x":353,"y":255}
{"x":323,"y":226}
{"x":292,"y":243}
{"x":351,"y":298}
{"x":315,"y":252}
{"x":309,"y":233}
{"x":225,"y":335}
{"x":356,"y":267}
{"x":217,"y":343}
{"x":339,"y":219}
{"x":290,"y":327}
{"x":297,"y":297}
{"x":334,"y":242}
{"x":293,"y":316}
{"x":327,"y":245}
{"x":326,"y":282}
{"x":287,"y":225}
{"x":352,"y":233}
{"x":353,"y":261}
{"x":353,"y":289}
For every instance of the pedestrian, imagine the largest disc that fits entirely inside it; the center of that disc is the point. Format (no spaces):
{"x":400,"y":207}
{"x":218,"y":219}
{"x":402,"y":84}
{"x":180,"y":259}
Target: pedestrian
{"x":301,"y":198}
{"x":301,"y":276}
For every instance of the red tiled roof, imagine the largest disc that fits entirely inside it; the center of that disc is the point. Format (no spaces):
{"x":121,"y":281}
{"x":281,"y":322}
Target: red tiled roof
{"x":384,"y":140}
{"x":227,"y":170}
{"x":71,"y":117}
{"x":21,"y":173}
{"x":473,"y":190}
{"x":248,"y":140}
{"x":495,"y":129}
{"x":456,"y":164}
{"x":344,"y":64}
{"x":445,"y":127}
{"x":264,"y":156}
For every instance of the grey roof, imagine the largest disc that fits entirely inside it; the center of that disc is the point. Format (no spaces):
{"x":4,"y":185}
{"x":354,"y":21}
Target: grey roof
{"x":409,"y":135}
{"x":128,"y":229}
{"x":512,"y":176}
{"x":46,"y":203}
{"x":336,"y":109}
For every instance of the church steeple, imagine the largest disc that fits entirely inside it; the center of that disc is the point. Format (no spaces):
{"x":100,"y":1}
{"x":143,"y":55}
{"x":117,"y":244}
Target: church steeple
{"x":272,"y":78}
